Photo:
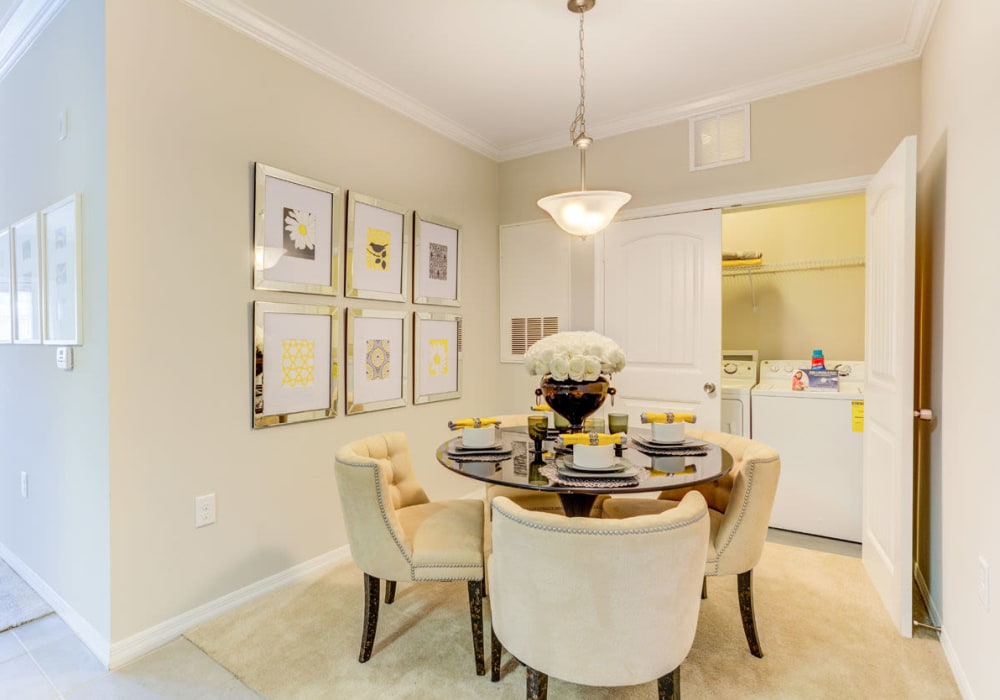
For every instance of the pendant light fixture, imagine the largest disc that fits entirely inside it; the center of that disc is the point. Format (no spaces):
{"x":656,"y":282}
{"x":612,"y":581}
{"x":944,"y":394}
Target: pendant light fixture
{"x":584,"y":212}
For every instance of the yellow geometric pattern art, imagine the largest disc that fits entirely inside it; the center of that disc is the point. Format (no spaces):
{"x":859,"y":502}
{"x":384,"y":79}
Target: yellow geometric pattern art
{"x":377,"y":364}
{"x":438,"y":366}
{"x":298,"y":363}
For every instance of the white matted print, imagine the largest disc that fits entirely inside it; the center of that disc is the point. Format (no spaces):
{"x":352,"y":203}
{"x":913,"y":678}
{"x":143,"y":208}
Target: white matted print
{"x":27,"y":281}
{"x":378,"y":249}
{"x":295,"y":363}
{"x":377,"y":359}
{"x":438,"y":351}
{"x":297,"y":233}
{"x":61,"y":235}
{"x":435,"y":261}
{"x":6,"y":289}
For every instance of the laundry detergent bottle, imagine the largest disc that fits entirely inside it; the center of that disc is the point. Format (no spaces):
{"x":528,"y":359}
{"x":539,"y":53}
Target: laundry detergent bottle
{"x":817,"y":360}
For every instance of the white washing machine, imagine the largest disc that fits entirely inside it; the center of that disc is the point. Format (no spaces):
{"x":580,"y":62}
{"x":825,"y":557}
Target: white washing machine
{"x":739,"y":375}
{"x":819,"y":437}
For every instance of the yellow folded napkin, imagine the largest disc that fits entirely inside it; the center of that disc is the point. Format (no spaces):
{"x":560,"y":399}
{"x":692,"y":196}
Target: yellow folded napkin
{"x":598,"y":439}
{"x":668,"y":418}
{"x":542,"y":407}
{"x":472,"y":423}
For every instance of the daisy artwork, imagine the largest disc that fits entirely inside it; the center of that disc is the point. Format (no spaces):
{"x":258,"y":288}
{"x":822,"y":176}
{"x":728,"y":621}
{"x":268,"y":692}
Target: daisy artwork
{"x":300,"y":233}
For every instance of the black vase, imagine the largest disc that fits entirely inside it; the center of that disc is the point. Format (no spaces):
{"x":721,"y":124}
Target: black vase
{"x":573,"y":400}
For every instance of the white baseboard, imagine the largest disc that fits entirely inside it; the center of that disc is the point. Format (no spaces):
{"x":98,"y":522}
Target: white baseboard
{"x":99,"y":645}
{"x":956,"y":667}
{"x":146,"y":641}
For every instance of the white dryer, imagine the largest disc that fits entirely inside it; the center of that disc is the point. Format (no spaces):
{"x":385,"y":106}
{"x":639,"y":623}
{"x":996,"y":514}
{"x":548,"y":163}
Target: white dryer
{"x":819,"y":437}
{"x":738,"y":378}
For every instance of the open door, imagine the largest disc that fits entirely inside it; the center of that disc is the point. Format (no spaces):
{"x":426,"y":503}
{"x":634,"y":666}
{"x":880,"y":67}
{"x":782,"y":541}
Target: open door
{"x":887,"y":502}
{"x":662,"y":302}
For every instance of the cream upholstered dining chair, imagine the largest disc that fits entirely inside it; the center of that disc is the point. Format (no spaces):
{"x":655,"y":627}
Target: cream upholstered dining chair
{"x":739,"y":507}
{"x":396,"y":533}
{"x":597,"y":602}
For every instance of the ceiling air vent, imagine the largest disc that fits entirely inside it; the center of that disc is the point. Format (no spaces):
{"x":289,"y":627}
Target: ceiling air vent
{"x":720,"y":138}
{"x":525,"y":332}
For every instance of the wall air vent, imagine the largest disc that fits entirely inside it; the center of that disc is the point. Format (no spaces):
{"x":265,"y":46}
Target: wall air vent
{"x":720,"y":138}
{"x":525,"y":332}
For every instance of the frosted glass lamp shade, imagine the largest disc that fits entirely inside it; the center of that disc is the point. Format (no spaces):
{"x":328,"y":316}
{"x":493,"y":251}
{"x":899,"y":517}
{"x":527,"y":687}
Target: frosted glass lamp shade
{"x":584,"y":213}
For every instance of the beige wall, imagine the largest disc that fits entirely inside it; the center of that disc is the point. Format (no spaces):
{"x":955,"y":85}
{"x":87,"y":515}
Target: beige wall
{"x":797,"y":311}
{"x":54,"y":424}
{"x":191,"y":106}
{"x":841,"y":129}
{"x":958,"y":182}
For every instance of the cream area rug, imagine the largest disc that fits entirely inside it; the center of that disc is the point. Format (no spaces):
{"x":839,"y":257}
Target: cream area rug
{"x":19,"y":604}
{"x":823,"y":631}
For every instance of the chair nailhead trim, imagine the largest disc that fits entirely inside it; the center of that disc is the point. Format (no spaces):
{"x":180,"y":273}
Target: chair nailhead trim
{"x":751,"y":470}
{"x":613,"y":533}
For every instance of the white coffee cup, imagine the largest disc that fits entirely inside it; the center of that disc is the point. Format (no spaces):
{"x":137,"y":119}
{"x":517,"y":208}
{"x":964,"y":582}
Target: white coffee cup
{"x":479,"y":437}
{"x":593,"y":456}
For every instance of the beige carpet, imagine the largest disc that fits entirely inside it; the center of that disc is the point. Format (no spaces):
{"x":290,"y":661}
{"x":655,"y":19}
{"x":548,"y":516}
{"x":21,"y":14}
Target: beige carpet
{"x":823,"y":630}
{"x":19,"y":604}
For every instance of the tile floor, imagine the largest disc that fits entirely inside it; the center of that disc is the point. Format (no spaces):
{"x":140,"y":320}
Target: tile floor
{"x":43,"y":660}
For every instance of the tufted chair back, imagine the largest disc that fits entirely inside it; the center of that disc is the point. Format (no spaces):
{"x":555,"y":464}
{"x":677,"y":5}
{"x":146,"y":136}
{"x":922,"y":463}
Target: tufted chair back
{"x":377,"y":469}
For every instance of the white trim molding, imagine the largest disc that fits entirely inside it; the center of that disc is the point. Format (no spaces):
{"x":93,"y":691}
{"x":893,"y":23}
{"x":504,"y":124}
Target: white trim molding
{"x":253,"y":24}
{"x":26,"y":22}
{"x":146,"y":641}
{"x":92,"y":639}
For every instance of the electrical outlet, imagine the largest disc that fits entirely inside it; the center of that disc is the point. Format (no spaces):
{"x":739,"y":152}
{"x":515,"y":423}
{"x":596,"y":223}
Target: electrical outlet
{"x":204,"y":510}
{"x":24,"y":484}
{"x":984,"y":582}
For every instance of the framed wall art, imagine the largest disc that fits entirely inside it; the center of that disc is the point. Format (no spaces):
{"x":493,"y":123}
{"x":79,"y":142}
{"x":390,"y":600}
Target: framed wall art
{"x":378,"y":249}
{"x":62,"y":318}
{"x":6,"y":289}
{"x":436,"y":261}
{"x":27,"y":281}
{"x":296,"y":366}
{"x":437,"y":353}
{"x":297,"y":233}
{"x":378,"y":351}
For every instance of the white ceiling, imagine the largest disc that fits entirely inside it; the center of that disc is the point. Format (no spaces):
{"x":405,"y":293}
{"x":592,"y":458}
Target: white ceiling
{"x":502,"y":76}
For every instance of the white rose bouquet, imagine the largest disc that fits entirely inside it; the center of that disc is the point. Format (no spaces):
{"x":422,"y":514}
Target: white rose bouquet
{"x":582,"y":356}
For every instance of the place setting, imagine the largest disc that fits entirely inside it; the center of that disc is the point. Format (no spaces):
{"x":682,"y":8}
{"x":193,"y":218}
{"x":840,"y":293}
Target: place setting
{"x":479,"y":438}
{"x":591,"y":461}
{"x":667,"y":436}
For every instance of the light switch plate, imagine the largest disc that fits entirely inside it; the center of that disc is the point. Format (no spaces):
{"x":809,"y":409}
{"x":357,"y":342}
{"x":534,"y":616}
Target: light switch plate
{"x":64,"y":358}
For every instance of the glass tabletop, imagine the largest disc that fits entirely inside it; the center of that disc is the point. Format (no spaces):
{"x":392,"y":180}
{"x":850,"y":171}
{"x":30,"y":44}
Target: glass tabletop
{"x":644,"y":466}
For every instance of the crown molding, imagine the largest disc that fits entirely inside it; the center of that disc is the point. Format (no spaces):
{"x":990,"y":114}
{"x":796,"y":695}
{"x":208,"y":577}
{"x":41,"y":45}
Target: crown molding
{"x":26,"y":21}
{"x":243,"y":19}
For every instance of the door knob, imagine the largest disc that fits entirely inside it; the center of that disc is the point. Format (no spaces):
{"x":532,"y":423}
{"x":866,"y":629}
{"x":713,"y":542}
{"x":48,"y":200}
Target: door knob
{"x":709,"y":388}
{"x":924,"y":414}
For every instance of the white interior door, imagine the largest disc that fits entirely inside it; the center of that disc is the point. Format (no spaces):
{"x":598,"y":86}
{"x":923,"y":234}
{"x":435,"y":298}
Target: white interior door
{"x":662,"y":302}
{"x":887,"y":509}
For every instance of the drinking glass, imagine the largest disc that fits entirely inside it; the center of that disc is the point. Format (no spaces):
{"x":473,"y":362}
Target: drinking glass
{"x":617,"y":423}
{"x":538,"y":428}
{"x":593,"y":425}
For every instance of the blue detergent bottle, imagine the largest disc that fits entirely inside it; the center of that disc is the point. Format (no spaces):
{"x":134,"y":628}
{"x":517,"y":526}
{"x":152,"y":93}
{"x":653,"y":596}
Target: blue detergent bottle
{"x":817,"y":360}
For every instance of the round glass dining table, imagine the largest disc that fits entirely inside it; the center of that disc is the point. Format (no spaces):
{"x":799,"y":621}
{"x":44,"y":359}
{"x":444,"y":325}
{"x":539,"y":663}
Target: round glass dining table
{"x":515,"y":463}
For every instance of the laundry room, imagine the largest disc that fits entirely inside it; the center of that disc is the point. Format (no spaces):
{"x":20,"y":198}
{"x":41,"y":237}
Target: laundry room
{"x":793,"y":297}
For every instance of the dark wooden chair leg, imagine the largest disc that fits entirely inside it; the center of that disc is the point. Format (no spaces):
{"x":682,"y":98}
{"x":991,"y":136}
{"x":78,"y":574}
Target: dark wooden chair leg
{"x":476,"y":613}
{"x":745,"y":583}
{"x":371,"y":617}
{"x":496,"y":649}
{"x":538,"y":684}
{"x":704,"y":587}
{"x":390,"y":592}
{"x":670,"y":685}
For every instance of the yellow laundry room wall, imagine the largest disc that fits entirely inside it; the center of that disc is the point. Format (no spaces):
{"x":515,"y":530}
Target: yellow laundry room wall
{"x":786,"y":314}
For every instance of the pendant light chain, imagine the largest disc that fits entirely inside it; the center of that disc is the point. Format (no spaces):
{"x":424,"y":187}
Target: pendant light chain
{"x":579,"y":126}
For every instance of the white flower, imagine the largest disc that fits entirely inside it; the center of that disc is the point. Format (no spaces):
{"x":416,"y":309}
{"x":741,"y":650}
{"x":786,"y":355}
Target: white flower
{"x":580,"y":355}
{"x":301,"y":228}
{"x":559,"y":367}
